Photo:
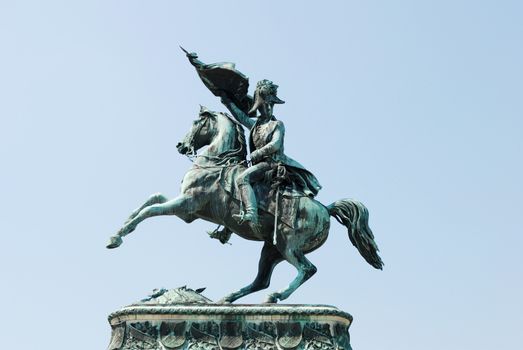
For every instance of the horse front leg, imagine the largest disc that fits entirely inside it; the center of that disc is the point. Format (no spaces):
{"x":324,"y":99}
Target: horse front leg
{"x":154,"y":199}
{"x":181,"y":206}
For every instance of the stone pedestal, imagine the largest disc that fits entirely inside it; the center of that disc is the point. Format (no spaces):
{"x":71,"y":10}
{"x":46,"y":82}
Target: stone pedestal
{"x":184,"y":319}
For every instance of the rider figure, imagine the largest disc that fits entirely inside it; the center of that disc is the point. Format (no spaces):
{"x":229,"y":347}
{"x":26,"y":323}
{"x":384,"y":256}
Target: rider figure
{"x":266,"y":146}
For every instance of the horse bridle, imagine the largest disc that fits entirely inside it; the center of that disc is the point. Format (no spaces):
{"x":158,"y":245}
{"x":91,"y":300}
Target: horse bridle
{"x":190,"y":142}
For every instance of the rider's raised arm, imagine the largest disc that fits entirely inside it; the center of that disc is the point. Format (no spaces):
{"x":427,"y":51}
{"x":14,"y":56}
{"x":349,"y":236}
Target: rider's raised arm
{"x":238,"y":114}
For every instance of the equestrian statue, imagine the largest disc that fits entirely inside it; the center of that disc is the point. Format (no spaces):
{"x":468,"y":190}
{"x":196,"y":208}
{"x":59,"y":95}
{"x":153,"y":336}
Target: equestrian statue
{"x":265,"y":197}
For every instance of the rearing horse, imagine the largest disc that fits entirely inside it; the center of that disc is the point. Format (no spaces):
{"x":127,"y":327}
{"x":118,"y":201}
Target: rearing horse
{"x":203,"y":196}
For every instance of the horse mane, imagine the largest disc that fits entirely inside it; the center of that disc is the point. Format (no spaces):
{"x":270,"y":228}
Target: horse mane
{"x":239,"y":153}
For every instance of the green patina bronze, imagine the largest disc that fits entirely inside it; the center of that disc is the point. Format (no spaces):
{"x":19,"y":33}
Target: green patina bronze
{"x":265,"y":197}
{"x":183,"y":319}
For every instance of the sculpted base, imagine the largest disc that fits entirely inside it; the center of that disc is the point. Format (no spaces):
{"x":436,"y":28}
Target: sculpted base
{"x":184,"y":319}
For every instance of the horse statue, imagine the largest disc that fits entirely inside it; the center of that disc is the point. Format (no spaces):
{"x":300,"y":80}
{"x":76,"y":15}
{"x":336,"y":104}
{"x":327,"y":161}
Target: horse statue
{"x":207,"y":193}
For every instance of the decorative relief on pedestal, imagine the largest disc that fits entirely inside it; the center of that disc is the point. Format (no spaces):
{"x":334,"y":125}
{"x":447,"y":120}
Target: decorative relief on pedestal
{"x":317,"y":336}
{"x":141,"y":335}
{"x":163,"y":323}
{"x":289,"y":334}
{"x":172,"y":334}
{"x":204,"y":336}
{"x":117,"y":337}
{"x":260,"y":336}
{"x":231,"y":335}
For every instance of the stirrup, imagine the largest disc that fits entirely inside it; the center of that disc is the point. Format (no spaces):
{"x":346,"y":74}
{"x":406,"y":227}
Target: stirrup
{"x":250,"y":218}
{"x":244,"y":216}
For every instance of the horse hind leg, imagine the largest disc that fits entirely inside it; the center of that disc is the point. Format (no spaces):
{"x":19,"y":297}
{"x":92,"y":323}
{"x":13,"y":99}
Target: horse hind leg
{"x":269,"y":258}
{"x":305,"y":268}
{"x":293,"y":244}
{"x":153,"y":199}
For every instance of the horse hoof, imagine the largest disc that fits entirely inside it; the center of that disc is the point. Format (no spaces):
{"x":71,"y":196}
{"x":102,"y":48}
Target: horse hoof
{"x":114,"y":242}
{"x":224,"y":301}
{"x":271,"y":298}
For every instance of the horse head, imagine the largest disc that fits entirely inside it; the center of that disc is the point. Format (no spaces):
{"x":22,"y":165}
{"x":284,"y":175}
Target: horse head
{"x":201,"y":133}
{"x":223,"y":135}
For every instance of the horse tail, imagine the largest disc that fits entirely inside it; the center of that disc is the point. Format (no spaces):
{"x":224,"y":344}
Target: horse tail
{"x":355,"y":216}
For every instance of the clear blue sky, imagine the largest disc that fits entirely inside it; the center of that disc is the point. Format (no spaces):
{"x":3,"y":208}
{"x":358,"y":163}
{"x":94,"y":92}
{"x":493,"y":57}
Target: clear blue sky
{"x":414,"y":108}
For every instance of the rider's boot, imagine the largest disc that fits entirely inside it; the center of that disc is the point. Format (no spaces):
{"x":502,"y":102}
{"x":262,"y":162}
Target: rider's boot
{"x":250,"y":212}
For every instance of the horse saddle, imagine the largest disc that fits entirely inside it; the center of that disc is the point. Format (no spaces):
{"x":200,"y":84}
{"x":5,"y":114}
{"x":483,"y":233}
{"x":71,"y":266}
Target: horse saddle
{"x":266,"y":193}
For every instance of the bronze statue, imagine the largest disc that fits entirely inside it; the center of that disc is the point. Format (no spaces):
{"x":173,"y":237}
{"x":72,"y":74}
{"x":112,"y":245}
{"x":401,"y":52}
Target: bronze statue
{"x":270,"y":200}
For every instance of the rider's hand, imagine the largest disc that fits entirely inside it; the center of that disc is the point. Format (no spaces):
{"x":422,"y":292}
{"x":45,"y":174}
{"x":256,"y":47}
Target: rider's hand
{"x":256,"y":156}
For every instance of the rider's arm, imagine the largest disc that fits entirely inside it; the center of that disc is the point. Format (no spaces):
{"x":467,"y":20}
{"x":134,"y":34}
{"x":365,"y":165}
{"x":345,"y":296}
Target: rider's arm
{"x":274,"y":145}
{"x":237,"y":113}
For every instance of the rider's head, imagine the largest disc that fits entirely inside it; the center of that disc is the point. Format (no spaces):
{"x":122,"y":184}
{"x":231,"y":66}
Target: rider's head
{"x":265,"y":97}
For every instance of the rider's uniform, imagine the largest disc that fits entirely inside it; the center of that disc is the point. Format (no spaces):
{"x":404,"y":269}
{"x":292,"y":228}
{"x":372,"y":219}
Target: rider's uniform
{"x":266,"y":137}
